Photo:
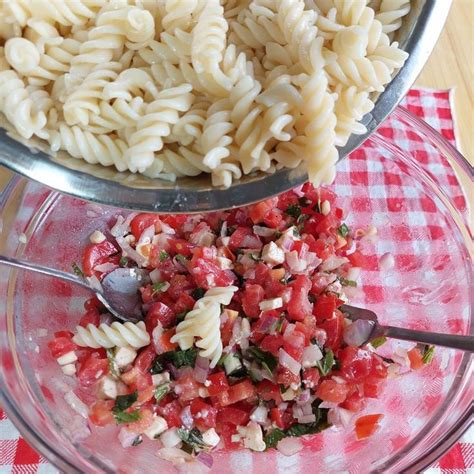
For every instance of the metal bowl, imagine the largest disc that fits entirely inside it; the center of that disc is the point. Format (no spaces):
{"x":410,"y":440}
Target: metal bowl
{"x":418,"y":35}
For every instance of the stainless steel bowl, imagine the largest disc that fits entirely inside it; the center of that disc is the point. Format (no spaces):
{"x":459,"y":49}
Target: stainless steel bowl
{"x":418,"y":36}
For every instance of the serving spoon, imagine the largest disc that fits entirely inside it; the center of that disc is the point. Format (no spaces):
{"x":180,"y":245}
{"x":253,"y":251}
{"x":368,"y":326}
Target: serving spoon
{"x":365,"y":328}
{"x":118,"y":290}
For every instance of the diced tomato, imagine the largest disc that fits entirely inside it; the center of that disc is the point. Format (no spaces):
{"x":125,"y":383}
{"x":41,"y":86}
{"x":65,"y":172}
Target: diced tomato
{"x":311,"y":377}
{"x":373,"y":388}
{"x":144,"y":422}
{"x":354,"y":402}
{"x":145,"y":358}
{"x":234,"y":416}
{"x":93,"y":302}
{"x":331,"y":391}
{"x":60,"y":346}
{"x":258,"y":211}
{"x":243,"y":237}
{"x":416,"y":358}
{"x":268,"y":390}
{"x":171,"y":413}
{"x":145,"y":395}
{"x":208,"y":274}
{"x":251,"y":298}
{"x":286,"y":377}
{"x":299,"y":306}
{"x":274,"y":219}
{"x":240,"y":391}
{"x":226,"y":430}
{"x":275,"y":416}
{"x":67,"y":334}
{"x":174,"y":220}
{"x":271,"y":344}
{"x":100,"y":412}
{"x":92,"y":369}
{"x":228,"y":325}
{"x":163,"y":343}
{"x":185,"y":303}
{"x":181,"y":246}
{"x":92,"y":316}
{"x":187,"y":388}
{"x":355,"y":363}
{"x":379,"y":368}
{"x":162,"y":313}
{"x":325,"y":306}
{"x":204,"y":414}
{"x":96,"y":254}
{"x":83,"y":353}
{"x":218,"y":383}
{"x":180,"y":284}
{"x":142,"y":221}
{"x":334,"y":330}
{"x":307,"y":328}
{"x":367,"y":425}
{"x":137,"y":380}
{"x":356,"y":259}
{"x":294,"y":351}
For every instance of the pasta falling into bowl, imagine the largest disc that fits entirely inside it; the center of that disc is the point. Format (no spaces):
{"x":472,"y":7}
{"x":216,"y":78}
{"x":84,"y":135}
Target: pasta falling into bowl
{"x":171,"y":90}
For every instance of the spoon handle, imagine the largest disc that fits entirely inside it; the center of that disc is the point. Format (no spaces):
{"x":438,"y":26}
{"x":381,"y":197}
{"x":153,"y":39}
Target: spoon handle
{"x":34,"y":267}
{"x":465,"y":343}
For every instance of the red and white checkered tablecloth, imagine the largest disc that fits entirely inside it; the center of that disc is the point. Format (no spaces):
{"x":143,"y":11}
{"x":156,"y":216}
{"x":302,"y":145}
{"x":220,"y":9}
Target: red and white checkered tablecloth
{"x":16,"y":456}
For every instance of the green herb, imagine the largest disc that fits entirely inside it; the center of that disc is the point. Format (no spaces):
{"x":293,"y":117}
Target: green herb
{"x":161,"y":391}
{"x":114,"y":370}
{"x":326,"y":364}
{"x":198,"y":293}
{"x":254,"y":258}
{"x":279,"y":326}
{"x":296,"y":232}
{"x":138,"y":440}
{"x":122,"y":402}
{"x":345,"y":282}
{"x":272,"y":438}
{"x":157,"y":287}
{"x":192,"y":438}
{"x":182,"y":259}
{"x":428,"y":354}
{"x":77,"y":270}
{"x":304,"y":201}
{"x":177,"y":358}
{"x":123,"y":262}
{"x":127,"y":417}
{"x":266,"y":359}
{"x":163,"y":255}
{"x":293,"y":210}
{"x":343,"y":230}
{"x":378,"y":341}
{"x":180,"y":317}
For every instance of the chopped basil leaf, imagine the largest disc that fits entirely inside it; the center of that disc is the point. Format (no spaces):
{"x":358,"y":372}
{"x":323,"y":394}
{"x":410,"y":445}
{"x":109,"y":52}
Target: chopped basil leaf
{"x":138,"y":440}
{"x":192,"y":438}
{"x":378,"y":341}
{"x":177,"y":358}
{"x":158,"y":286}
{"x":198,"y":293}
{"x":267,"y":359}
{"x":293,"y":210}
{"x":76,"y":269}
{"x":343,"y":230}
{"x":114,"y":370}
{"x":122,"y":402}
{"x":127,"y":417}
{"x":296,"y":232}
{"x":428,"y":354}
{"x":182,"y":259}
{"x":326,"y":364}
{"x":157,"y":366}
{"x":180,"y":317}
{"x":123,"y":262}
{"x":345,"y":282}
{"x":163,"y":255}
{"x":161,"y":391}
{"x":272,"y":438}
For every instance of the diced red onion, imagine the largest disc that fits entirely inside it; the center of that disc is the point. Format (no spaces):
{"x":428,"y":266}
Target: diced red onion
{"x":333,"y":262}
{"x":295,"y":264}
{"x":249,"y":274}
{"x":299,"y":191}
{"x":201,"y":369}
{"x":77,"y":429}
{"x":260,"y":415}
{"x":358,"y":333}
{"x":289,"y":446}
{"x":186,"y":417}
{"x":307,"y":419}
{"x":313,"y":261}
{"x":131,"y":253}
{"x":311,"y":354}
{"x":155,"y":275}
{"x":327,"y":405}
{"x":126,"y":437}
{"x":339,"y":417}
{"x":191,"y":222}
{"x":76,"y":404}
{"x":400,"y":356}
{"x":205,"y":458}
{"x":178,"y":264}
{"x":285,"y":242}
{"x":122,"y":226}
{"x":170,"y":438}
{"x":156,"y":338}
{"x":166,"y":229}
{"x":223,"y":231}
{"x":251,"y":242}
{"x":283,"y":406}
{"x":307,"y":409}
{"x":147,"y":235}
{"x":162,"y":241}
{"x":105,"y":267}
{"x":303,"y":397}
{"x":297,"y":411}
{"x":288,"y":331}
{"x":263,"y":231}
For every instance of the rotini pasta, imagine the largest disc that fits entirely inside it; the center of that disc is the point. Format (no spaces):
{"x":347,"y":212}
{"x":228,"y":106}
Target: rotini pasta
{"x":113,"y":335}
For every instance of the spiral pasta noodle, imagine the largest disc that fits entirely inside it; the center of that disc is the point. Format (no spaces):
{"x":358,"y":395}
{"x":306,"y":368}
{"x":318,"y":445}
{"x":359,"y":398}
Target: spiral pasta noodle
{"x":203,"y":323}
{"x":113,"y":335}
{"x":390,"y":14}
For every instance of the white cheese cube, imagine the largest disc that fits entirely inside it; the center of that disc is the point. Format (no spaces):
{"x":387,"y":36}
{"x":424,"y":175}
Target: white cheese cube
{"x":159,"y":379}
{"x":273,"y":254}
{"x":291,"y":232}
{"x":290,"y":394}
{"x":268,"y":305}
{"x":68,"y":369}
{"x":125,"y":356}
{"x":158,"y":426}
{"x":210,"y":437}
{"x":253,"y":436}
{"x":170,"y":438}
{"x":107,"y":388}
{"x":225,"y":263}
{"x":97,"y":237}
{"x":68,"y":358}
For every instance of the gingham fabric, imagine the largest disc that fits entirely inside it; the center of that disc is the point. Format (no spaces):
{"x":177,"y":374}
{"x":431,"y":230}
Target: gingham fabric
{"x":16,"y":456}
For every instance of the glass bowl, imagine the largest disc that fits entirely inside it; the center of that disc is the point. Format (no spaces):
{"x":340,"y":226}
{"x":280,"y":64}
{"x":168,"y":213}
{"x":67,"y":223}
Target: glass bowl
{"x":420,"y":223}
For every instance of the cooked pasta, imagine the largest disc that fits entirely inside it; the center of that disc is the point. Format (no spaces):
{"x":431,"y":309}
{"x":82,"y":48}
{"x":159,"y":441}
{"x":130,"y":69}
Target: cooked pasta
{"x":113,"y":335}
{"x":203,"y":324}
{"x":177,"y":88}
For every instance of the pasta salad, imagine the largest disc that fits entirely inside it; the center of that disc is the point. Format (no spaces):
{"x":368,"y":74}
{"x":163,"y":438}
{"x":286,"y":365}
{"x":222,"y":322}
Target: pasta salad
{"x":242,"y":340}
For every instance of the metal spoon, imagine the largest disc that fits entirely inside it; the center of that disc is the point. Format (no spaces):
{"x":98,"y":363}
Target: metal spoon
{"x":365,"y":327}
{"x":118,"y":290}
